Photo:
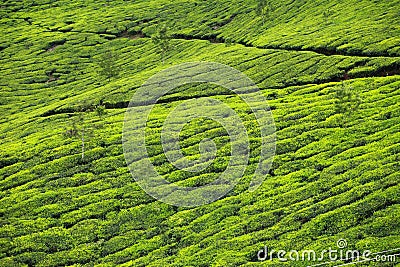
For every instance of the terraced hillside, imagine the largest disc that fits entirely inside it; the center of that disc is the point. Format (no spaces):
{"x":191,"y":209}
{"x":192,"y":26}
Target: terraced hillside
{"x":335,"y":174}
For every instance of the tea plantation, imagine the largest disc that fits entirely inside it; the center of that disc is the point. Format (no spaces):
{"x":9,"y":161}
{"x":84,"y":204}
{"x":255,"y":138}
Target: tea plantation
{"x":330,"y":71}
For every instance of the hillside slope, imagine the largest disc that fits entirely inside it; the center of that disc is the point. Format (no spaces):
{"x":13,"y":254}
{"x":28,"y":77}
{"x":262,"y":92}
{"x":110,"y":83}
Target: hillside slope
{"x":335,"y":176}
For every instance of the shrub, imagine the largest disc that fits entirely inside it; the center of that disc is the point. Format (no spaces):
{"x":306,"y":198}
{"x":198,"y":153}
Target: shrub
{"x":347,"y":100}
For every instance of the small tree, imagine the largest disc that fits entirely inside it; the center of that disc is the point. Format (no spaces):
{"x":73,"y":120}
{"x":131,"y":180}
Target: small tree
{"x":100,"y":111}
{"x":108,"y":66}
{"x":76,"y":129}
{"x":161,"y":39}
{"x":262,"y":9}
{"x":326,"y":14}
{"x":228,"y":42}
{"x":347,"y":100}
{"x":80,"y":128}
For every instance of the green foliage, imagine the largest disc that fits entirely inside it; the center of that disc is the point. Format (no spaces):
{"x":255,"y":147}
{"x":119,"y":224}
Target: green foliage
{"x":327,"y":182}
{"x":100,"y":111}
{"x":347,"y":101}
{"x":263,"y":8}
{"x":78,"y":126}
{"x":108,"y":66}
{"x":161,"y":40}
{"x":228,"y":42}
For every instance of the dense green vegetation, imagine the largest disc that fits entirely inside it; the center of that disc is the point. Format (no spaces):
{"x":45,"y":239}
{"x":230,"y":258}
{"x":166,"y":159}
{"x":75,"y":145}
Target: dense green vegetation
{"x":329,"y":69}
